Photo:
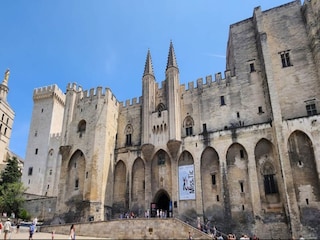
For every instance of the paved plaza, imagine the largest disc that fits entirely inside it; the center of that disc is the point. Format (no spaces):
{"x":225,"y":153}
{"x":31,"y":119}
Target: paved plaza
{"x":24,"y":234}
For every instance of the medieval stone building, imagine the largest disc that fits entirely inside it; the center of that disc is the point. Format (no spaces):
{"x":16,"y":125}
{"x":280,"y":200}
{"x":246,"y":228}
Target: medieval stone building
{"x":240,"y":149}
{"x":6,"y":123}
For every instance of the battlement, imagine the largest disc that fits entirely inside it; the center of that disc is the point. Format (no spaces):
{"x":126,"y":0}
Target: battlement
{"x":49,"y":92}
{"x":92,"y":93}
{"x":209,"y":81}
{"x":74,"y":87}
{"x":131,"y":103}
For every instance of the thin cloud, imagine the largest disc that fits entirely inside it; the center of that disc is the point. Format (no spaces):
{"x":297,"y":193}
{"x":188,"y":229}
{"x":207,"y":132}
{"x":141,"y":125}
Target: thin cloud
{"x":215,"y":55}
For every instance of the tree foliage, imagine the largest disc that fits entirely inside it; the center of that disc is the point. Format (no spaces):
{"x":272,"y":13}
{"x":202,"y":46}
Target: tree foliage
{"x":12,"y":172}
{"x":11,"y":188}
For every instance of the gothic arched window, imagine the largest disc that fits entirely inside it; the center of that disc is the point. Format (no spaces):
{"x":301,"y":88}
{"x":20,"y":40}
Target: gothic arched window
{"x":160,"y":108}
{"x":82,"y":127}
{"x":128,"y":132}
{"x":269,"y":180}
{"x":188,"y":125}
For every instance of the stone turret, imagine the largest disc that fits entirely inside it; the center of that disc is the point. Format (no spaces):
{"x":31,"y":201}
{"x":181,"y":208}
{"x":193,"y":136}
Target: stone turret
{"x":4,"y":86}
{"x":173,"y":96}
{"x":6,"y":120}
{"x":148,"y":95}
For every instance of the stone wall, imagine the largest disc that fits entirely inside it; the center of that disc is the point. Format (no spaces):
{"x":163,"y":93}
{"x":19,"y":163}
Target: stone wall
{"x":132,"y":229}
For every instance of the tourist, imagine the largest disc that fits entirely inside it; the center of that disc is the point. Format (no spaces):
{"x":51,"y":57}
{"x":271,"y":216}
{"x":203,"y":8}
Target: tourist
{"x":32,"y":229}
{"x":72,"y":234}
{"x":18,"y":226}
{"x":7,"y":228}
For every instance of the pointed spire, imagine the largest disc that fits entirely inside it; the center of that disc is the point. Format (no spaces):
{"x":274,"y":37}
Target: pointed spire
{"x":148,"y":68}
{"x":172,"y":62}
{"x":6,"y":77}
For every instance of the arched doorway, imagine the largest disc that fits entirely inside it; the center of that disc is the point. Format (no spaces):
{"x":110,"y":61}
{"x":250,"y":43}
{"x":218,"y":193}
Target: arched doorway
{"x":161,"y":202}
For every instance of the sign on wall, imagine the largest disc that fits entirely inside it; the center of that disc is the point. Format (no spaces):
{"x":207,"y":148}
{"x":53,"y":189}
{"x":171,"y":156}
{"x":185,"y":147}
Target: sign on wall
{"x":186,"y":183}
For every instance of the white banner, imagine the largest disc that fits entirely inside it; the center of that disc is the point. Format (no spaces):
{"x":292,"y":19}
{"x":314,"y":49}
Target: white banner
{"x":186,"y":183}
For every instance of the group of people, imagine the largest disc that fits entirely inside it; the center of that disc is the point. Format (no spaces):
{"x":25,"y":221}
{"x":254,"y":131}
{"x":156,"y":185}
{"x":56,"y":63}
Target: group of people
{"x":8,"y":227}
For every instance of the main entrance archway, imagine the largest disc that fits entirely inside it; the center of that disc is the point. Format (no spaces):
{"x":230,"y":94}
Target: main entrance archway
{"x":162,"y":202}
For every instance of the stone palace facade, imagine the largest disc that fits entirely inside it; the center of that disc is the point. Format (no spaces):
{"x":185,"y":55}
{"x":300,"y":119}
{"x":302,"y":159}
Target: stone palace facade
{"x":240,"y":149}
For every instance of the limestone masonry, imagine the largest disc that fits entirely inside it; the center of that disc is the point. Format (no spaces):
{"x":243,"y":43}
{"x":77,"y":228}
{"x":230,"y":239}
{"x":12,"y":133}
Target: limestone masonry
{"x":240,"y":149}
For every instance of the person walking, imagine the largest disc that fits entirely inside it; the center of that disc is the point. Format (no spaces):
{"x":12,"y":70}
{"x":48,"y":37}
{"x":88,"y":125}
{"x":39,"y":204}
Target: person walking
{"x":7,"y":229}
{"x":32,"y":229}
{"x":18,"y":226}
{"x":72,"y":234}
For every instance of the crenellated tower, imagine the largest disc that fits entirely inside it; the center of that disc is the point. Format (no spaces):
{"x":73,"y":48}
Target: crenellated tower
{"x":41,"y":171}
{"x":173,"y":96}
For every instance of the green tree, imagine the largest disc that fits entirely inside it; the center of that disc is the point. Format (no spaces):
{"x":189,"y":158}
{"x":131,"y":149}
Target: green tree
{"x":11,"y":188}
{"x":12,"y":172}
{"x":11,"y":197}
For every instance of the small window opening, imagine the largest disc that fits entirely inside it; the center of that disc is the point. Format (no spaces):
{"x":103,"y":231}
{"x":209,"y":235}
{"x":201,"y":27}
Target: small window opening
{"x":260,"y":111}
{"x":161,"y":159}
{"x":270,"y":185}
{"x":36,"y":151}
{"x":307,"y":201}
{"x":189,"y":131}
{"x":222,"y":101}
{"x":87,"y":174}
{"x":204,"y":126}
{"x":218,"y":198}
{"x":242,"y":207}
{"x":252,"y":69}
{"x":241,"y":153}
{"x":50,"y":172}
{"x":238,"y":115}
{"x":311,"y":109}
{"x":241,"y":187}
{"x":76,"y":184}
{"x":285,"y":59}
{"x":128,"y":140}
{"x":213,"y":179}
{"x":30,"y":171}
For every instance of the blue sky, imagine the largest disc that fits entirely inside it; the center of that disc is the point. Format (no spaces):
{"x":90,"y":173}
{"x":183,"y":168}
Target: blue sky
{"x":105,"y":43}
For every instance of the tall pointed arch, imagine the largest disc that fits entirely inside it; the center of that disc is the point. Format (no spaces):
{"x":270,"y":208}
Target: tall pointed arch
{"x":161,"y":173}
{"x":186,"y":177}
{"x":304,"y":168}
{"x":238,"y":181}
{"x":268,"y":169}
{"x":120,"y":198}
{"x":76,"y":174}
{"x":211,"y":184}
{"x":138,"y":186}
